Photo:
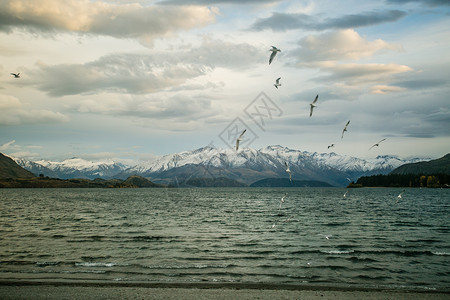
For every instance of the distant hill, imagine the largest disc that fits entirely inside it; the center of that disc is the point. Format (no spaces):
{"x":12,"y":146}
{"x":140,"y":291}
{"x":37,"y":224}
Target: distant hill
{"x":214,"y":182}
{"x":285,"y":182}
{"x":10,"y":169}
{"x":140,"y":182}
{"x":46,"y":182}
{"x":432,"y":167}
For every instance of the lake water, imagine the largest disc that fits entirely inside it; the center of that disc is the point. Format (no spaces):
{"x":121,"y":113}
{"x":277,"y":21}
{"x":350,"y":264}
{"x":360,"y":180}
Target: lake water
{"x":370,"y":238}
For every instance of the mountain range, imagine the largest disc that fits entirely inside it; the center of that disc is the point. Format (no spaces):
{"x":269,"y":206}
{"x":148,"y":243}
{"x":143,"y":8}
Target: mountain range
{"x":246,"y":166}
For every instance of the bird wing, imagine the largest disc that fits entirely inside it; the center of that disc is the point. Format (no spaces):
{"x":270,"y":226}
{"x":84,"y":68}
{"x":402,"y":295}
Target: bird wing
{"x":272,"y":56}
{"x":237,"y":144}
{"x":315,"y":100}
{"x":278,"y":80}
{"x":373,"y":146}
{"x":242,"y":134}
{"x":311,"y":110}
{"x":381,"y":141}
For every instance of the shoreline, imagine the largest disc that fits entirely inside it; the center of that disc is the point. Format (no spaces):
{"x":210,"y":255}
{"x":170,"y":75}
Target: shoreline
{"x":209,"y":285}
{"x":29,"y":289}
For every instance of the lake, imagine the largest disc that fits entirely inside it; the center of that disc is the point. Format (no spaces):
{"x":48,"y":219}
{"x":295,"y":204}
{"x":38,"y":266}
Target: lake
{"x":316,"y":237}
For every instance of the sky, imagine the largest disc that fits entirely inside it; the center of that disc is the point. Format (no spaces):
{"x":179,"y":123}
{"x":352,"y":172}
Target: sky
{"x":132,"y":80}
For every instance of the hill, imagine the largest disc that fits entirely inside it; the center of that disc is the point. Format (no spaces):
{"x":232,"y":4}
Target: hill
{"x":284,"y":182}
{"x":10,"y":169}
{"x":432,"y":167}
{"x":46,"y":182}
{"x":434,"y":173}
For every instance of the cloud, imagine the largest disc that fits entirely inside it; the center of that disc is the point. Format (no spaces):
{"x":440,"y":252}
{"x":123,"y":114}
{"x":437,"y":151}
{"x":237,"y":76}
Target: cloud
{"x":143,"y":73}
{"x":329,"y":51}
{"x":361,"y":73}
{"x":424,"y":2}
{"x":385,"y":89}
{"x":9,"y":146}
{"x":100,"y":17}
{"x":212,"y":2}
{"x":338,"y":45}
{"x":13,"y":112}
{"x":290,"y":21}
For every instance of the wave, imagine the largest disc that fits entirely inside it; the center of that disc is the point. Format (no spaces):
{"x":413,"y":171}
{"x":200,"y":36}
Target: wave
{"x":337,"y":251}
{"x":441,"y":253}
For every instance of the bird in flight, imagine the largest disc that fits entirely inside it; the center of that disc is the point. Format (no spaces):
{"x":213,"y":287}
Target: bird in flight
{"x":16,"y":75}
{"x":288,"y":171}
{"x":312,"y":106}
{"x":239,"y":139}
{"x":277,"y":83}
{"x":274,"y":52}
{"x":331,"y":146}
{"x":345,"y":129}
{"x":282,"y":200}
{"x":377,"y":144}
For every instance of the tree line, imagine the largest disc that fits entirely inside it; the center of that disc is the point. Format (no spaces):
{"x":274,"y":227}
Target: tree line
{"x":405,"y":180}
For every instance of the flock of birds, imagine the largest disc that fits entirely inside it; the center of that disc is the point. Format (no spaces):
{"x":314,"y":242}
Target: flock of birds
{"x":274,"y":50}
{"x":312,"y":105}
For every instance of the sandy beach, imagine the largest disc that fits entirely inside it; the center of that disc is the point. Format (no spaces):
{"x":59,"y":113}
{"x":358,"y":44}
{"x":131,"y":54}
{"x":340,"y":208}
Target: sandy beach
{"x":68,"y":290}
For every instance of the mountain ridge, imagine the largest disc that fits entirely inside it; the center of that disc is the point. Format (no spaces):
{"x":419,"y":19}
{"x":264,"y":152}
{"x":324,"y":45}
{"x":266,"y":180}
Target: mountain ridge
{"x":247,"y":166}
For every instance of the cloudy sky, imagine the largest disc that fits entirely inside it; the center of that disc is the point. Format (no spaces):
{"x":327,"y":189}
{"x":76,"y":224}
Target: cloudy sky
{"x":130,"y":79}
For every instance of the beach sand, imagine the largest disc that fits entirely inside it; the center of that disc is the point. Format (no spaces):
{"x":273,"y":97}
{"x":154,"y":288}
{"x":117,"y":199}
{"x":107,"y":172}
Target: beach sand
{"x":64,"y":290}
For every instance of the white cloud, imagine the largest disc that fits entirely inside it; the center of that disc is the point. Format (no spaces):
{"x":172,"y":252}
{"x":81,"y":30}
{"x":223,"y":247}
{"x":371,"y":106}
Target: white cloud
{"x":13,"y":112}
{"x":385,"y":89}
{"x":338,"y":45}
{"x":9,"y":146}
{"x":131,"y":20}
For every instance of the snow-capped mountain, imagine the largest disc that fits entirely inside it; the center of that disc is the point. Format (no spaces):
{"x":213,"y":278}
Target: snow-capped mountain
{"x":73,"y":168}
{"x":247,"y":165}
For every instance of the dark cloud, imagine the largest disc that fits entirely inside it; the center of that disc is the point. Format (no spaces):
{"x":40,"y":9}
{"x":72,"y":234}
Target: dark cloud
{"x":420,"y":84}
{"x":424,"y":2}
{"x":287,"y":21}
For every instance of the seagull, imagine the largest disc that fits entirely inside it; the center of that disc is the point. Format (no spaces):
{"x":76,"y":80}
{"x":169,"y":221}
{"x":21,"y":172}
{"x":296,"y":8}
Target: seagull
{"x":239,"y":139}
{"x":16,"y":75}
{"x":312,"y":105}
{"x":282,"y":199}
{"x":345,"y":129}
{"x":331,"y":146}
{"x":399,"y":196}
{"x":377,"y":144}
{"x":277,"y":83}
{"x":274,"y":52}
{"x":289,"y":171}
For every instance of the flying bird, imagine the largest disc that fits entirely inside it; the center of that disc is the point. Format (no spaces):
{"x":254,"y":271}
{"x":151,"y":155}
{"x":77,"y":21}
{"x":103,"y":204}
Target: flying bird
{"x":274,"y":52}
{"x":277,"y":83}
{"x":239,"y":139}
{"x":16,"y":75}
{"x":345,"y":129}
{"x":377,"y":144}
{"x":345,"y":194}
{"x":331,"y":146}
{"x":312,"y":106}
{"x":400,"y":195}
{"x":289,"y":171}
{"x":282,"y":199}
